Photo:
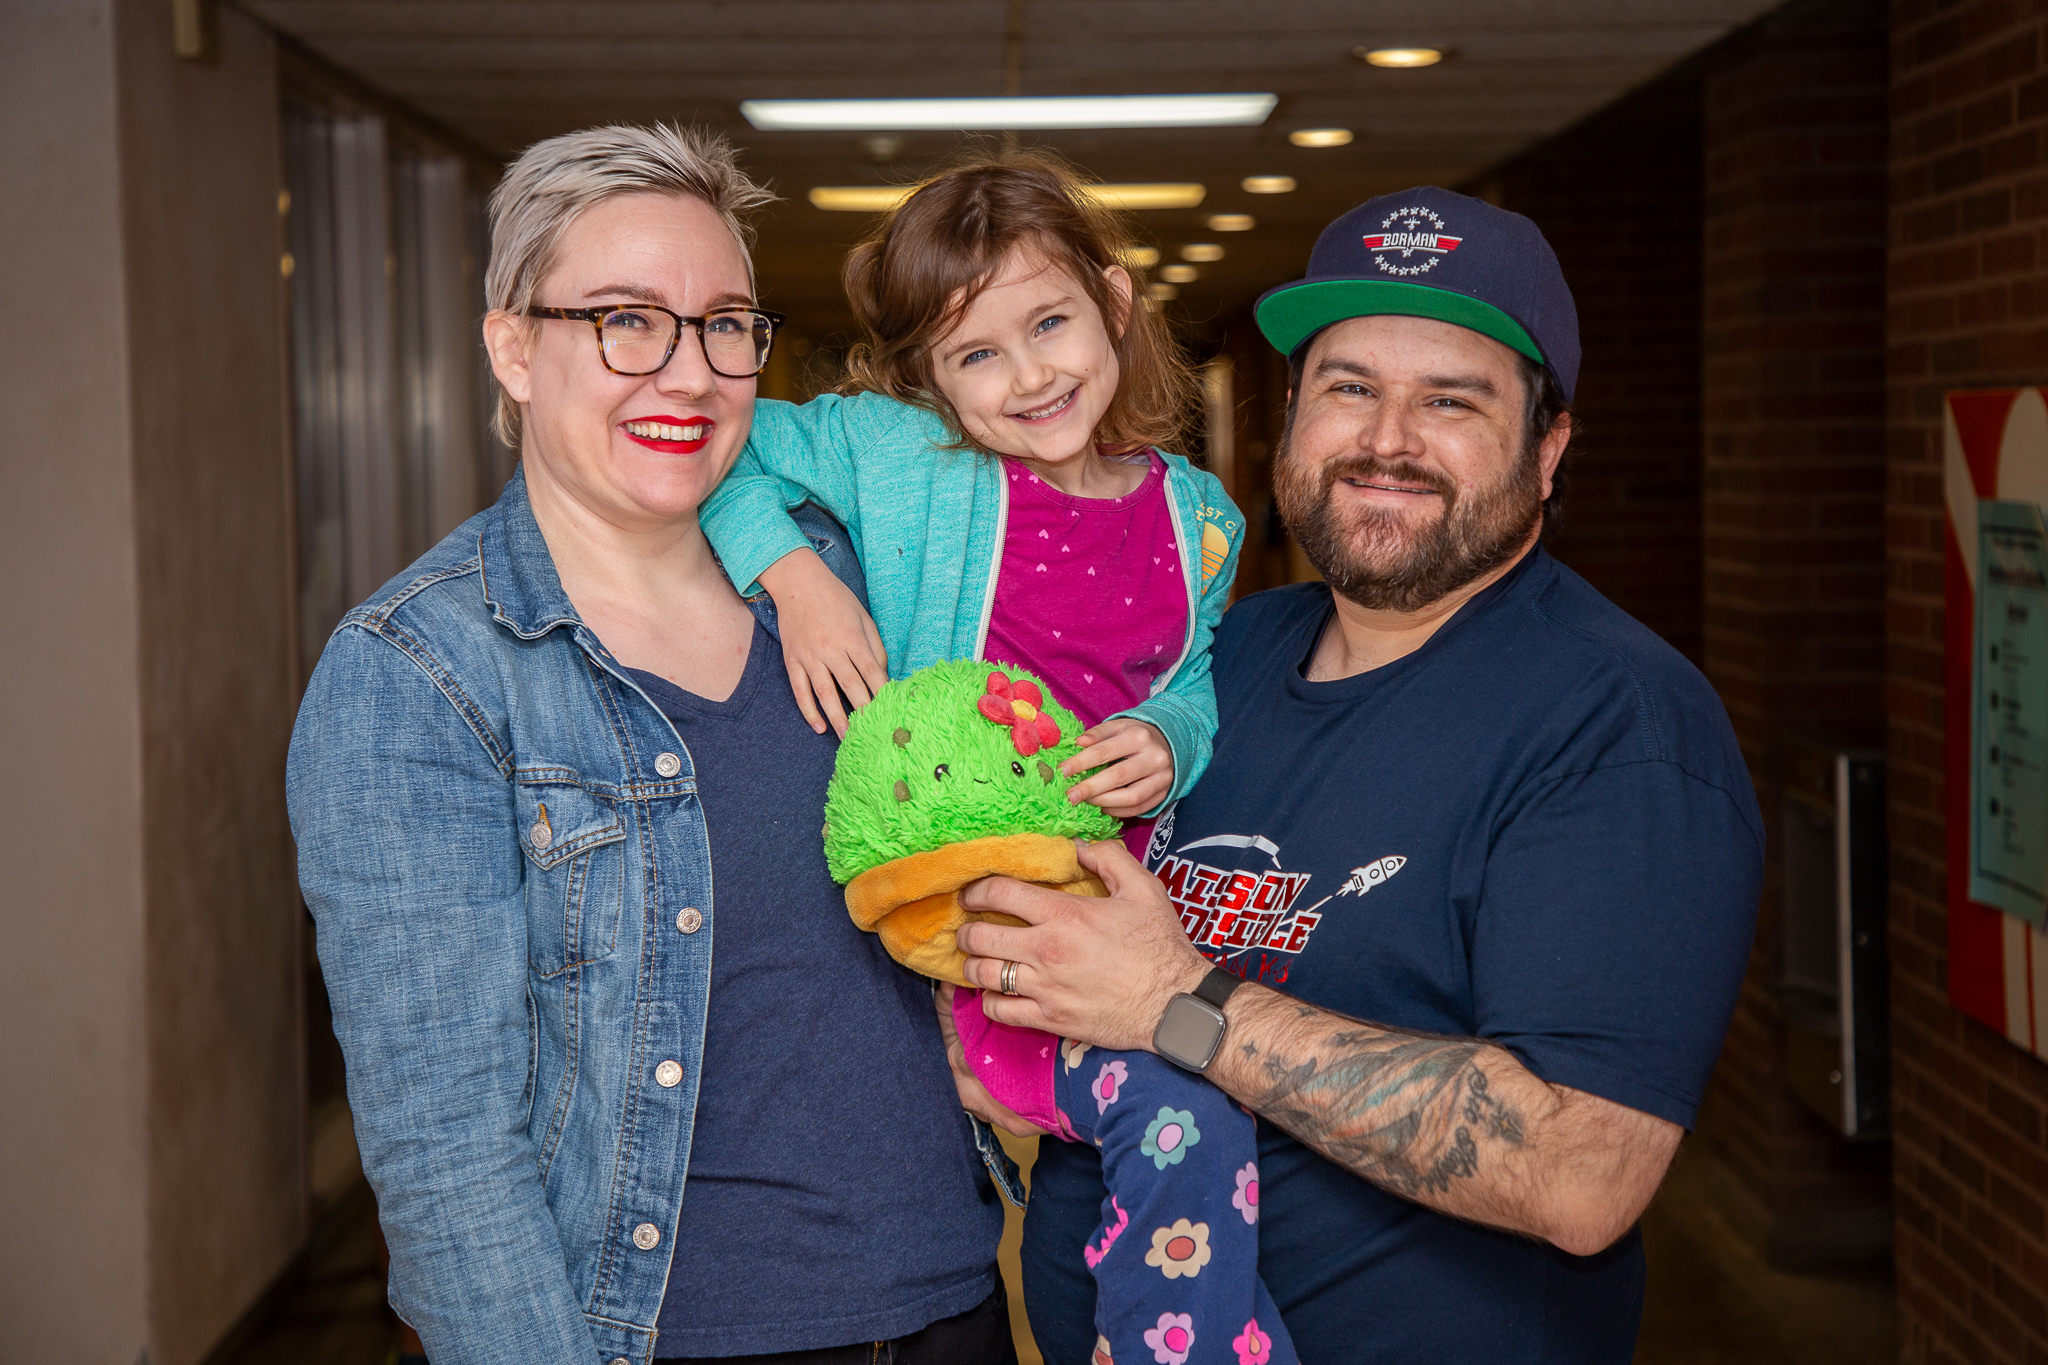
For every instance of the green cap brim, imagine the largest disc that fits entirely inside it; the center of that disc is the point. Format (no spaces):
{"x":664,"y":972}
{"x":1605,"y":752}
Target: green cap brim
{"x":1293,"y":313}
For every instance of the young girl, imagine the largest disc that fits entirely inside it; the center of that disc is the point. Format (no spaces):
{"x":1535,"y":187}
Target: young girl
{"x":995,"y":462}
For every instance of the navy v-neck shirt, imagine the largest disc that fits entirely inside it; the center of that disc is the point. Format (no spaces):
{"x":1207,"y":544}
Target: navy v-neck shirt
{"x":833,"y":1194}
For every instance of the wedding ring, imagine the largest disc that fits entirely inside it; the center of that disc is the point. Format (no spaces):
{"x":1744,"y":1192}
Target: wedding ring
{"x":1009,"y":978}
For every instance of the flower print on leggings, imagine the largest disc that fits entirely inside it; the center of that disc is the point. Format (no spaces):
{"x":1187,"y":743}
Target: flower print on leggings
{"x":1109,"y":1082}
{"x":1253,"y":1347}
{"x":1181,"y":1249}
{"x":1168,"y":1137}
{"x":1093,"y":1255}
{"x":1246,"y":1200}
{"x":1172,"y":1339}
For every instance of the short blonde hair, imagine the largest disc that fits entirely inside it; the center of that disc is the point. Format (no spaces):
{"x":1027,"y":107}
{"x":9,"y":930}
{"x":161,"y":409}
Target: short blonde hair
{"x":553,"y":182}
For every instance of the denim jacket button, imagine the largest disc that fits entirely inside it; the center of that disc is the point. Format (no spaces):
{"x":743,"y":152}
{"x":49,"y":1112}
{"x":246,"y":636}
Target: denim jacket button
{"x":668,"y":765}
{"x":690,"y":921}
{"x":541,"y":834}
{"x":668,"y":1075}
{"x":647,"y":1237}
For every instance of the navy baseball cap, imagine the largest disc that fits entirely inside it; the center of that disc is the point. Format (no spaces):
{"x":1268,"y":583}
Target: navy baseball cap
{"x":1429,"y":253}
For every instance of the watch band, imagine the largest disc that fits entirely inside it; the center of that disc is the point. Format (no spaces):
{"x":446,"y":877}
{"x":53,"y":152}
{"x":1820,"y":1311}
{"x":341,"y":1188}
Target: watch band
{"x":1217,"y":986}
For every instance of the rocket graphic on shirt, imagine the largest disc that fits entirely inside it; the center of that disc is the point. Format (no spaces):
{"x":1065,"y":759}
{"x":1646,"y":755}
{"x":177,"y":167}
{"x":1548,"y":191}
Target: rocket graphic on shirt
{"x":1228,"y":910}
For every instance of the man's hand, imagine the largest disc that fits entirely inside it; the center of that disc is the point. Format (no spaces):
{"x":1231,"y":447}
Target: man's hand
{"x":1139,"y":772}
{"x":829,"y":644}
{"x":1093,"y":969}
{"x":974,"y":1096}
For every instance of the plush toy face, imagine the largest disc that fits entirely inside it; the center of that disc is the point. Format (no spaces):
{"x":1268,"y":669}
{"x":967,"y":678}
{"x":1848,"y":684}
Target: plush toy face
{"x":961,"y":750}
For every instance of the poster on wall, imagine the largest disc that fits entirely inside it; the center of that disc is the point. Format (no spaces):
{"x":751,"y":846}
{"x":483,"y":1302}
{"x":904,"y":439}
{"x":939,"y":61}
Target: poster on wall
{"x":1995,"y":486}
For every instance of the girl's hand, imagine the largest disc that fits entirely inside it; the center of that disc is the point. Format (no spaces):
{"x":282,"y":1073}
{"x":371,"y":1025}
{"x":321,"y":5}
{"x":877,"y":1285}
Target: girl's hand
{"x":1139,"y":771}
{"x":829,"y":644}
{"x":974,"y":1096}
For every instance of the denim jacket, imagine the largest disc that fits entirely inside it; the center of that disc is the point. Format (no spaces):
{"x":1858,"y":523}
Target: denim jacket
{"x":500,"y":844}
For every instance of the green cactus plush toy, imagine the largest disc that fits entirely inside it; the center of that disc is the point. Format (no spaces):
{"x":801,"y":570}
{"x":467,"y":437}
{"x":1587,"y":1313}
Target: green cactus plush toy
{"x":947,"y":776}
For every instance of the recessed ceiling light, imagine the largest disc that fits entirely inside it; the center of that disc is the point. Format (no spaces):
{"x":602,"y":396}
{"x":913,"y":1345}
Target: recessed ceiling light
{"x":1232,"y":222}
{"x":1201,"y":251}
{"x":881,"y":198}
{"x":1162,"y":293}
{"x":1398,"y":56}
{"x":1319,"y":137}
{"x":882,"y":147}
{"x":1179,"y":274}
{"x":1138,"y":257}
{"x":1011,"y":112}
{"x":1267,"y":184}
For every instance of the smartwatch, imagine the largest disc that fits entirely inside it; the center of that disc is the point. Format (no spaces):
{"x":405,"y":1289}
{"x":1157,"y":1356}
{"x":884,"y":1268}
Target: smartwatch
{"x":1190,"y":1032}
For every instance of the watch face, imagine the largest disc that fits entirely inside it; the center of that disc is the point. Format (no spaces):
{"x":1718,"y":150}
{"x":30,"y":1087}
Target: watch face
{"x":1188,"y":1032}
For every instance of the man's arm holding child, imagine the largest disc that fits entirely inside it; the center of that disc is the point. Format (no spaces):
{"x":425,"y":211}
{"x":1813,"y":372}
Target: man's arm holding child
{"x":1456,"y":1124}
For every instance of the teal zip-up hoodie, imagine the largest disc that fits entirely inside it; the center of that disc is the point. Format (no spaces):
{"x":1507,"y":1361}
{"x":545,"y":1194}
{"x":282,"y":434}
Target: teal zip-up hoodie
{"x":927,"y":523}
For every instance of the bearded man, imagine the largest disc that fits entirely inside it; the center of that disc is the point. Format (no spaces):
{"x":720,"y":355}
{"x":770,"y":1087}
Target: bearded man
{"x":1461,"y":906}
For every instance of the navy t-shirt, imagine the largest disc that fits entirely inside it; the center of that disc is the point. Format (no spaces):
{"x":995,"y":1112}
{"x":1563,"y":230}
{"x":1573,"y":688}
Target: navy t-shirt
{"x":834,"y":1194}
{"x":1536,"y":829}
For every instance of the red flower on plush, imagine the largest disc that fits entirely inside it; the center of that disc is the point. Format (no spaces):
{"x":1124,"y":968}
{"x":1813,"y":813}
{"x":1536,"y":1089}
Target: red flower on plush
{"x":1015,"y":704}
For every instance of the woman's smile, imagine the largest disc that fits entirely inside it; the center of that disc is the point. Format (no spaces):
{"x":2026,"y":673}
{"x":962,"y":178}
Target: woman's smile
{"x":671,"y":435}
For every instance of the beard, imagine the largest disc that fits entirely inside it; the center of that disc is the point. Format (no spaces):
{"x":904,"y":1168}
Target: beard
{"x":1384,"y":561}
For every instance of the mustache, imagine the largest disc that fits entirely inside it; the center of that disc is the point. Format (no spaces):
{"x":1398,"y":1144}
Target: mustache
{"x":1372,"y":469}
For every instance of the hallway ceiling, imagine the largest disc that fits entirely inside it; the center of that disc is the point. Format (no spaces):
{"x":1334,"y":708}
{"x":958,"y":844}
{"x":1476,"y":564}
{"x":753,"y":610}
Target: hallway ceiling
{"x":508,"y":72}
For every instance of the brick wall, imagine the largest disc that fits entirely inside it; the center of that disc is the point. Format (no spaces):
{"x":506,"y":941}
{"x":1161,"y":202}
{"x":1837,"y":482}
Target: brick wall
{"x":1968,"y":279}
{"x":1793,"y":467}
{"x":1618,"y":197}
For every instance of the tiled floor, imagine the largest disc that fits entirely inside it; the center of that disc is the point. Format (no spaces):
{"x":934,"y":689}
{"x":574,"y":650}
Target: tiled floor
{"x":1712,"y":1299}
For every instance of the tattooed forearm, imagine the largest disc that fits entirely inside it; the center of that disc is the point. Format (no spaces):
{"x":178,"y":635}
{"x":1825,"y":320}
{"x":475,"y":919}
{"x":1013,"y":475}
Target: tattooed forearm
{"x":1406,"y":1112}
{"x":1454,"y":1123}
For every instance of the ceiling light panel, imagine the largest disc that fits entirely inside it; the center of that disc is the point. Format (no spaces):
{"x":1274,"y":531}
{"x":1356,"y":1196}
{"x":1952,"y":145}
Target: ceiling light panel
{"x":1232,"y":222}
{"x":1010,"y":113}
{"x":881,"y":198}
{"x":1267,"y":184}
{"x":859,"y":198}
{"x":1201,"y":252}
{"x":1179,"y":274}
{"x":1320,"y":137}
{"x":1185,"y":195}
{"x":1138,"y":257}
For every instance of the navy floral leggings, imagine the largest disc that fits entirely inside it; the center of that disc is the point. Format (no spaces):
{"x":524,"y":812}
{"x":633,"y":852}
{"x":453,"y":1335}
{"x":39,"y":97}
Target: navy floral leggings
{"x":1176,"y":1258}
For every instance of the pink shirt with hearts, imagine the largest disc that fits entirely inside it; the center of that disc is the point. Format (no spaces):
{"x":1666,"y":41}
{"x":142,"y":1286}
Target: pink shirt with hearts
{"x":1091,"y":596}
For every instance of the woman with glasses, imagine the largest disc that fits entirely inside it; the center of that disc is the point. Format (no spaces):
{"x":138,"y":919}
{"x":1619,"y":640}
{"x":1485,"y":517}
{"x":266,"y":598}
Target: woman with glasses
{"x":537,"y":776}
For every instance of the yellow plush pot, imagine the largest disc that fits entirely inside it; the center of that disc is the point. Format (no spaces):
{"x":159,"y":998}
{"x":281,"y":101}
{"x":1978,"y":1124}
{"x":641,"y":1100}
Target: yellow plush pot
{"x":913,"y":902}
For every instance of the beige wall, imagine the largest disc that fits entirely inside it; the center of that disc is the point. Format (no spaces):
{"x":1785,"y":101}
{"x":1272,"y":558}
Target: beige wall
{"x":200,"y":174}
{"x":72,"y":1151}
{"x":151,"y":1148}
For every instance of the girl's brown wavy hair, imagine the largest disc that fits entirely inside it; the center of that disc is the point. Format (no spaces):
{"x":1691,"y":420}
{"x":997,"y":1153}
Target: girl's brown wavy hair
{"x":927,"y":260}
